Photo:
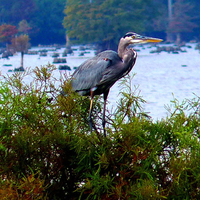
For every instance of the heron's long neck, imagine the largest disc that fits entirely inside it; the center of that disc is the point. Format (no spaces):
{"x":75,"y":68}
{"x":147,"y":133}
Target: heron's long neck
{"x":122,"y":49}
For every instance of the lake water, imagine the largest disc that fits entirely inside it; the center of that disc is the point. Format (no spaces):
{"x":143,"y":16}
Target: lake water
{"x":158,"y":76}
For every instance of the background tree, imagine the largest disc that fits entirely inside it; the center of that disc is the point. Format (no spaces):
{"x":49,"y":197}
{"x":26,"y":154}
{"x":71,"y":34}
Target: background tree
{"x":24,"y":27}
{"x":7,"y":31}
{"x":23,"y":10}
{"x":47,"y":22}
{"x":44,"y":17}
{"x":12,"y":12}
{"x":100,"y":21}
{"x":182,"y":19}
{"x":106,"y":21}
{"x":21,"y":44}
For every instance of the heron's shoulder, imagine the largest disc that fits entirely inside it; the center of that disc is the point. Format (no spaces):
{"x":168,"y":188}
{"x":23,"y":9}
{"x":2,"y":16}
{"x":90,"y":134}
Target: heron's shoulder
{"x":109,"y":54}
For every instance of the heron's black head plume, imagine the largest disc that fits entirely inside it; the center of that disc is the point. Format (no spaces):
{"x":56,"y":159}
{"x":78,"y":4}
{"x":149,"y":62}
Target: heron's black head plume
{"x":134,"y":38}
{"x":129,"y":34}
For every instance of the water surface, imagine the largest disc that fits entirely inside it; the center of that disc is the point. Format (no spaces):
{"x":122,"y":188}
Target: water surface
{"x":158,"y":76}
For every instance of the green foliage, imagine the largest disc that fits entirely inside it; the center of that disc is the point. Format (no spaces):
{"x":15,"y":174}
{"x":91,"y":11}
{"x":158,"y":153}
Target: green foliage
{"x":30,"y":187}
{"x":48,"y":152}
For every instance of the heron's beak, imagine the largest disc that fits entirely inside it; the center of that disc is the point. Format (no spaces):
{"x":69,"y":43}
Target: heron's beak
{"x":143,"y":39}
{"x":149,"y":39}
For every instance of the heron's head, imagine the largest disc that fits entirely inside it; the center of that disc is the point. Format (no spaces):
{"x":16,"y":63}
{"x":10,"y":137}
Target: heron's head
{"x":134,"y":38}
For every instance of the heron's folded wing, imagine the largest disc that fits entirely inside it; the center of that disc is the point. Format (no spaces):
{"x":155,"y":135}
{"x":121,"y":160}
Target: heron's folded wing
{"x":116,"y":70}
{"x":89,"y":74}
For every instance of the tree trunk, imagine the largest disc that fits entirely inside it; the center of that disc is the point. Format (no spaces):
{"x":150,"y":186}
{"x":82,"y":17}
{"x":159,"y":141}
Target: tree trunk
{"x":169,"y":34}
{"x":22,"y":59}
{"x":178,"y":38}
{"x":170,"y":37}
{"x":67,"y":40}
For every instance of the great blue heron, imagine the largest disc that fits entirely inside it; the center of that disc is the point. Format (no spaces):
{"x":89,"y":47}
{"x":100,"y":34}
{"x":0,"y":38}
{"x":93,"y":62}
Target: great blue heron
{"x":97,"y":75}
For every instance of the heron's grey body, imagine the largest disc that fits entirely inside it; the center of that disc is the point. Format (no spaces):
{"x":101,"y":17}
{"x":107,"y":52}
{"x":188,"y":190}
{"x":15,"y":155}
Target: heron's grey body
{"x":97,"y":75}
{"x":101,"y":72}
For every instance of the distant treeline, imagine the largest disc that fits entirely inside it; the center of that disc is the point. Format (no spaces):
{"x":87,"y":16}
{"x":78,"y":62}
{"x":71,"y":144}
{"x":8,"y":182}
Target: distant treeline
{"x":103,"y":22}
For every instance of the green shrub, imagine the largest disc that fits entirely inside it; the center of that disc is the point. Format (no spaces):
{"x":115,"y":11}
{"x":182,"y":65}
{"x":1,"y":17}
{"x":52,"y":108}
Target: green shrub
{"x":47,"y":150}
